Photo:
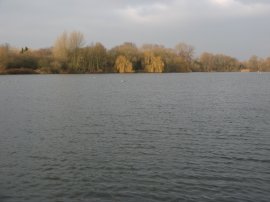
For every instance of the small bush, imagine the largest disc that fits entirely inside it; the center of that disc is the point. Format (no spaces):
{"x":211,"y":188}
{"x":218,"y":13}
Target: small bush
{"x":22,"y":61}
{"x":19,"y":71}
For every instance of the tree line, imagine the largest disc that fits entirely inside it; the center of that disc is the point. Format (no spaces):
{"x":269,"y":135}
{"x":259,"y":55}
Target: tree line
{"x":69,"y":54}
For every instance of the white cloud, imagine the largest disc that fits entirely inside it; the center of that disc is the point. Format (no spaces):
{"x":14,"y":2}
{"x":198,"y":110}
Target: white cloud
{"x":223,"y":3}
{"x":144,"y":13}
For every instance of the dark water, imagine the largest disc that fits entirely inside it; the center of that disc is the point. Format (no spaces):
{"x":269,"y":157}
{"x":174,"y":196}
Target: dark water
{"x":139,"y":137}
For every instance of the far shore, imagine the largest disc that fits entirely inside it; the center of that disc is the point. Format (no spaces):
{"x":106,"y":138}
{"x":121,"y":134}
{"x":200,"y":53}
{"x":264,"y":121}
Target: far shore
{"x":21,"y":71}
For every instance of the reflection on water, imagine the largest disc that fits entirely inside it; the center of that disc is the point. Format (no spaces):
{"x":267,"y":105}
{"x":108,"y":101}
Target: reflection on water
{"x":154,"y":137}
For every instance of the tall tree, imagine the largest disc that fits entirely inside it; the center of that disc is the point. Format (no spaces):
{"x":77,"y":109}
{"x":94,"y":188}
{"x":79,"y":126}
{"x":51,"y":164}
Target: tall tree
{"x":207,"y":60}
{"x":4,"y":55}
{"x":100,"y":57}
{"x":60,"y":49}
{"x":266,"y":65}
{"x":186,"y":52}
{"x":255,"y":63}
{"x":94,"y":58}
{"x":67,"y":49}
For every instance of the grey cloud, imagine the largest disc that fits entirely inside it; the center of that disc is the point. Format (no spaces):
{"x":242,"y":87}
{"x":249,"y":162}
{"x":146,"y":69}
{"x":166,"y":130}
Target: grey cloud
{"x":254,"y":1}
{"x":204,"y":24}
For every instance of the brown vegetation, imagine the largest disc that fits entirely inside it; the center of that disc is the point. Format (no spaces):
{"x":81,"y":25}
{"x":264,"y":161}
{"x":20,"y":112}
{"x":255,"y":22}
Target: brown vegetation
{"x":19,"y":71}
{"x":69,"y":55}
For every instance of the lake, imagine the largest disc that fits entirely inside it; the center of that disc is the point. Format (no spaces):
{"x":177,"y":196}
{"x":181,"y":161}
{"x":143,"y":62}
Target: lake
{"x":135,"y":137}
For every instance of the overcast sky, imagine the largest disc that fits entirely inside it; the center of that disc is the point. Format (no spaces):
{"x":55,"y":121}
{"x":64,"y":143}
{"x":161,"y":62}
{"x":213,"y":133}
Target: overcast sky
{"x":239,"y":28}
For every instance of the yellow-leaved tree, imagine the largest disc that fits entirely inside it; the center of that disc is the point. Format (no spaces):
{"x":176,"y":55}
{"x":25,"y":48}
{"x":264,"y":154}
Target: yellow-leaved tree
{"x":123,"y":65}
{"x":152,"y":63}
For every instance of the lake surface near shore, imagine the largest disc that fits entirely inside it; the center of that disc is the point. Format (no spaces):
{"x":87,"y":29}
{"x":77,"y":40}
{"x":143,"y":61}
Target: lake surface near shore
{"x":135,"y":137}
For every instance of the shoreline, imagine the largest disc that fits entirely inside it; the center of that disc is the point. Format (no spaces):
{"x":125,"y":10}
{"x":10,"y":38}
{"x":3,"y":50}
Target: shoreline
{"x":33,"y":72}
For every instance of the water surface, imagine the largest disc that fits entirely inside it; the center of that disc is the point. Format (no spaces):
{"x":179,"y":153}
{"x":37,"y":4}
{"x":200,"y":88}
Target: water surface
{"x":136,"y":137}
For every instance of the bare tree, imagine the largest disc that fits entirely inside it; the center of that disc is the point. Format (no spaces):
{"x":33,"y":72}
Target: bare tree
{"x":60,"y":49}
{"x":67,"y":48}
{"x":75,"y":40}
{"x":186,"y":52}
{"x":266,"y":64}
{"x":255,"y":63}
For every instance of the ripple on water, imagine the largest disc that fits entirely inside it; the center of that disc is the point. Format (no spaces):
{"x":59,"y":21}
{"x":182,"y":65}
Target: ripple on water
{"x":156,"y":138}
